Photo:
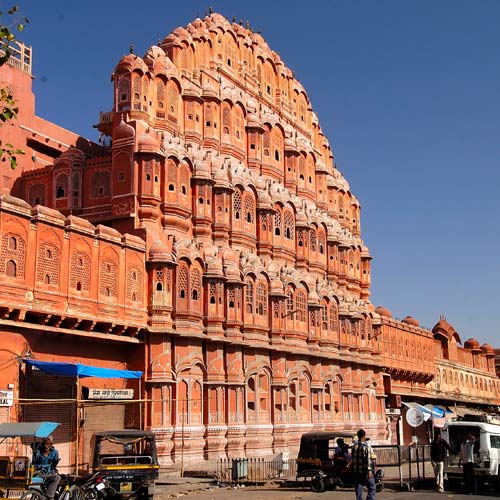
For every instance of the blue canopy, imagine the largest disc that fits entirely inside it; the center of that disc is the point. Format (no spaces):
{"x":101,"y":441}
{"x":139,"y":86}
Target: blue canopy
{"x":80,"y":371}
{"x":27,"y":429}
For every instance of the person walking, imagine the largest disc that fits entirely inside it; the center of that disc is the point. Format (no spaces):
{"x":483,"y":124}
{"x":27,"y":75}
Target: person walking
{"x":363,"y":467}
{"x":438,"y":453}
{"x":467,"y":461}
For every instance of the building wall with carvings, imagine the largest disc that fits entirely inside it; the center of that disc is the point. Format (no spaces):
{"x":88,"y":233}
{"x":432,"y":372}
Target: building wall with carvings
{"x":236,"y":262}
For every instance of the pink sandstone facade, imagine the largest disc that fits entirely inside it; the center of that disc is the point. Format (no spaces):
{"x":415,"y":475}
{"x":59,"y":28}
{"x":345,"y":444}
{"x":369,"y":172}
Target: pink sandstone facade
{"x":211,"y":242}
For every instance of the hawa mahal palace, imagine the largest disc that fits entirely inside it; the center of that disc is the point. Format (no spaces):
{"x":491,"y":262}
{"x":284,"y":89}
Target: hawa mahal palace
{"x":210,"y":242}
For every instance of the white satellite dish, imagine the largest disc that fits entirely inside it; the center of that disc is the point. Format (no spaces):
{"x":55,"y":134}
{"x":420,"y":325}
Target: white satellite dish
{"x":415,"y":417}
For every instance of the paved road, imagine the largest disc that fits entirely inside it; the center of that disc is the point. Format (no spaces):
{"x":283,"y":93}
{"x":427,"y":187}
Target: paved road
{"x":278,"y":493}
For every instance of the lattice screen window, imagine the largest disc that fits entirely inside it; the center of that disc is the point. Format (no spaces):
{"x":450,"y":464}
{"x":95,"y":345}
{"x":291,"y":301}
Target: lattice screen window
{"x":263,"y":222}
{"x":173,"y":102}
{"x":324,"y":317}
{"x":300,"y":300}
{"x":134,"y":285}
{"x":321,"y":242}
{"x":37,"y":194}
{"x":48,"y":264}
{"x":226,"y":120}
{"x":312,"y":240}
{"x":62,"y":186}
{"x":362,"y":329}
{"x":261,"y":298}
{"x":195,"y":285}
{"x":249,"y":296}
{"x":333,"y":318}
{"x":13,"y":250}
{"x":249,"y":208}
{"x":136,"y":87}
{"x":182,"y":285}
{"x":80,"y":272}
{"x":277,"y":223}
{"x":108,"y":285}
{"x":100,"y":184}
{"x":237,"y":204}
{"x":212,"y":292}
{"x":160,"y":94}
{"x":290,"y":303}
{"x":289,"y":225}
{"x":231,"y":297}
{"x":123,"y":90}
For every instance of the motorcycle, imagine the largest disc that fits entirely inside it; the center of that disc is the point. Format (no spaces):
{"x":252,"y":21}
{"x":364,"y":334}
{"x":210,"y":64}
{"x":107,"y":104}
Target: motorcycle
{"x":95,"y":486}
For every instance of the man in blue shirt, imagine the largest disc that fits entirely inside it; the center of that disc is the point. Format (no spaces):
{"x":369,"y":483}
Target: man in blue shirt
{"x":45,"y":461}
{"x":363,"y":467}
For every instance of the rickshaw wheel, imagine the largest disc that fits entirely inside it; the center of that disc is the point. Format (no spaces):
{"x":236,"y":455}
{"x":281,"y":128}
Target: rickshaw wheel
{"x":31,"y":495}
{"x":317,"y":484}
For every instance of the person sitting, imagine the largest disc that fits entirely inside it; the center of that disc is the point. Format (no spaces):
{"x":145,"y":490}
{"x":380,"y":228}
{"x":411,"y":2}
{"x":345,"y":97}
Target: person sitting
{"x":341,"y":457}
{"x":45,"y":462}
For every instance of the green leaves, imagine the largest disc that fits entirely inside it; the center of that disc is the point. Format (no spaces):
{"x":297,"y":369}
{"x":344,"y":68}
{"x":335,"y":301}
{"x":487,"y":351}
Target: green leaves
{"x":8,"y":108}
{"x":9,"y":153}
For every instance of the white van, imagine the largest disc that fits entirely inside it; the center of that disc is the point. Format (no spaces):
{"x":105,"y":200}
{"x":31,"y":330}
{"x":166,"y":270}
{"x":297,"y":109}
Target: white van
{"x":486,"y":451}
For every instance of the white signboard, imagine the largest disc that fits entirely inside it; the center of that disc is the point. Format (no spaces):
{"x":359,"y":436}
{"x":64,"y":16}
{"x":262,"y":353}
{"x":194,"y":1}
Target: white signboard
{"x":111,"y":393}
{"x":6,"y":398}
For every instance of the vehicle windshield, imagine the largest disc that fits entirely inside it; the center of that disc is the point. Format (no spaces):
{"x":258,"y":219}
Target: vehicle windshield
{"x":123,"y":450}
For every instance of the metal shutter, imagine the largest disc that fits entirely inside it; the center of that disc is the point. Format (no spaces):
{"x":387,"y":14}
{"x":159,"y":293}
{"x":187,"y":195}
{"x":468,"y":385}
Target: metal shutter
{"x":40,"y":385}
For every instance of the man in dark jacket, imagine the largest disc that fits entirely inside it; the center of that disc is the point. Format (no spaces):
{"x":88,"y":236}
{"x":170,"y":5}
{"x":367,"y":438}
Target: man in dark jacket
{"x":438,"y":454}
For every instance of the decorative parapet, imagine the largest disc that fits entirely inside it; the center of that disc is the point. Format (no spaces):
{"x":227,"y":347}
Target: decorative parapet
{"x":21,"y":57}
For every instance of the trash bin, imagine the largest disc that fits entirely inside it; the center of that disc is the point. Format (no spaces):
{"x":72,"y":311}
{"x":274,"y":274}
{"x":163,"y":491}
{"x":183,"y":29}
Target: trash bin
{"x":239,"y":468}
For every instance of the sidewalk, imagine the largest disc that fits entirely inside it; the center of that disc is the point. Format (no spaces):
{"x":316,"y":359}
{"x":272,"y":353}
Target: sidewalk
{"x":171,"y":485}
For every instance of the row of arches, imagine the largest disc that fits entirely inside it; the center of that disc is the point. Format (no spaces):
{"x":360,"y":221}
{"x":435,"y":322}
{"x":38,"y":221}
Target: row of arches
{"x":469,"y":383}
{"x":196,"y":401}
{"x":48,"y":269}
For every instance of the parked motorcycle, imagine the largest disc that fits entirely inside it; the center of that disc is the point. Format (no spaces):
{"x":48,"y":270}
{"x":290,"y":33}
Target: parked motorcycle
{"x":95,"y":486}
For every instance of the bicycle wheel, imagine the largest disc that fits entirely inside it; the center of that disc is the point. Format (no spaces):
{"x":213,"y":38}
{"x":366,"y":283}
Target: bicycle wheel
{"x":31,"y":495}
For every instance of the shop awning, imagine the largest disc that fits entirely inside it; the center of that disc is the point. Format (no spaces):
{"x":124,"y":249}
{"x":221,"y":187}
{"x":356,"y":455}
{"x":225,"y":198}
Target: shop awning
{"x":81,"y":371}
{"x":429,"y":410}
{"x":27,"y":429}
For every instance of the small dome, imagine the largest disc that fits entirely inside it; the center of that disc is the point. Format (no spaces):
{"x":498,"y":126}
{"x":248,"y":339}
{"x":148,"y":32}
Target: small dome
{"x":123,"y":131}
{"x":411,"y":321}
{"x":383,"y":312}
{"x":472,"y":344}
{"x":148,"y":144}
{"x":159,"y":252}
{"x":488,"y":349}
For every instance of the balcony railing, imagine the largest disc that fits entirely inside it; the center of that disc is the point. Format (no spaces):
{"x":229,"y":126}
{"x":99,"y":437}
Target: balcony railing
{"x":21,"y":56}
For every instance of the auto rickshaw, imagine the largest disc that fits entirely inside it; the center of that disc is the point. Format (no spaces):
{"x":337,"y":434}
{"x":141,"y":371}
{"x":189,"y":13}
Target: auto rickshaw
{"x":16,"y":473}
{"x":128,"y":460}
{"x":324,"y":460}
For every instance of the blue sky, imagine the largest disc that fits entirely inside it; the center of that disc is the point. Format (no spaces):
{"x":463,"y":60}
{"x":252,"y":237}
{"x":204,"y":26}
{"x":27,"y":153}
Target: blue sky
{"x":406,"y":91}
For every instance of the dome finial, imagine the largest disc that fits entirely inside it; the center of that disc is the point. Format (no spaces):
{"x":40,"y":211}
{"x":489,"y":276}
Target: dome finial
{"x":131,"y":49}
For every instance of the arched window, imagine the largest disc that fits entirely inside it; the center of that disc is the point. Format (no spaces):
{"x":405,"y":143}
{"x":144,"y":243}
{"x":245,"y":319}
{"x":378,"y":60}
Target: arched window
{"x":237,"y":204}
{"x":11,"y":269}
{"x":196,"y":288}
{"x":182,"y":285}
{"x":301,"y":304}
{"x":249,"y":296}
{"x":12,"y":245}
{"x":261,"y":299}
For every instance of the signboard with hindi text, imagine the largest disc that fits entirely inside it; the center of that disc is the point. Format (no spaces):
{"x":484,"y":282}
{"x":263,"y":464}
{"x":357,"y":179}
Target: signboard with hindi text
{"x":109,"y":393}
